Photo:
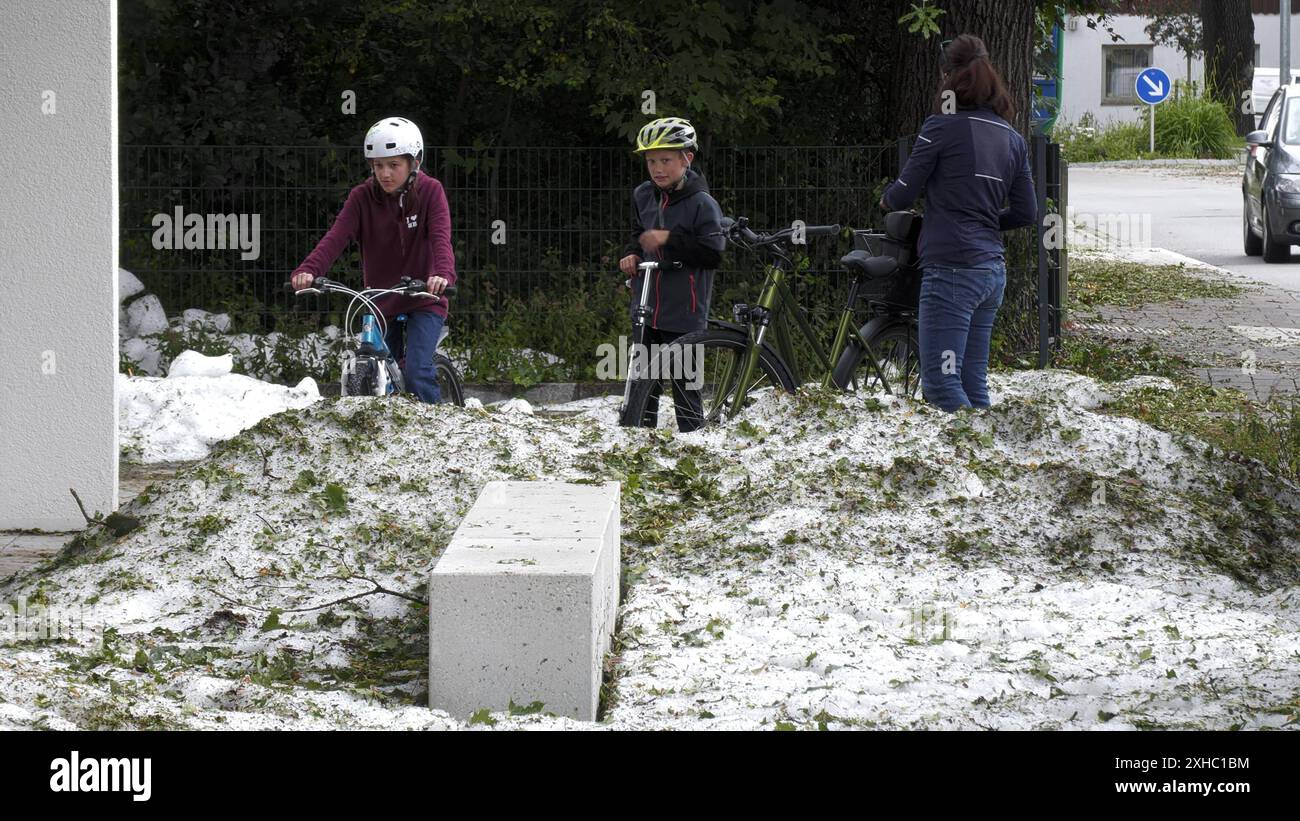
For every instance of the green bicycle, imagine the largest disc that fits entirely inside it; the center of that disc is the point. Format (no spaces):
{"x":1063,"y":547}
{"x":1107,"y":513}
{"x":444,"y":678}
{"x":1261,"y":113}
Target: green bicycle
{"x":729,"y":363}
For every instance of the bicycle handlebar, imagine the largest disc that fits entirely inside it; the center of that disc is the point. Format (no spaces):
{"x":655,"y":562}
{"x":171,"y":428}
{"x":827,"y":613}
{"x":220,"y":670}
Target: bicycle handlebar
{"x":739,"y":228}
{"x":660,"y":265}
{"x":407,"y":286}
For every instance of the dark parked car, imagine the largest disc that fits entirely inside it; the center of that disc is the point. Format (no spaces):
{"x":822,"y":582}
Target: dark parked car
{"x":1270,"y":186}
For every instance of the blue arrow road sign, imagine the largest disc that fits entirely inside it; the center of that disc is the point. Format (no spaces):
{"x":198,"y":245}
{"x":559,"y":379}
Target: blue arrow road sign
{"x":1153,"y":86}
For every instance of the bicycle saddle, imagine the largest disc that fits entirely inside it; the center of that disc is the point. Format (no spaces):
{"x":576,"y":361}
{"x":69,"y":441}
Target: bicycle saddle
{"x":867,"y":266}
{"x":903,"y":226}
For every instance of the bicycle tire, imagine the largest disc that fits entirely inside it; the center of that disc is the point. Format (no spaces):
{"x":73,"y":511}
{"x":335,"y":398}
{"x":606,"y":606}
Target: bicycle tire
{"x":626,"y":418}
{"x":895,"y":343}
{"x":360,"y":382}
{"x":721,"y":346}
{"x":451,"y":388}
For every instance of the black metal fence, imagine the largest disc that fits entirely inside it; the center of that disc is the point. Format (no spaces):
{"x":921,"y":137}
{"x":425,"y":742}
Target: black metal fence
{"x":1053,"y":257}
{"x":564,"y":213}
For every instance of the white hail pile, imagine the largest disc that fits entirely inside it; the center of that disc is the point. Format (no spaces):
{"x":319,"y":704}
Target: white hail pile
{"x":827,"y":560}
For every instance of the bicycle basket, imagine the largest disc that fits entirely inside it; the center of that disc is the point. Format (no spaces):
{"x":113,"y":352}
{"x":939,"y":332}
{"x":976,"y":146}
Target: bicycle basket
{"x":903,"y":287}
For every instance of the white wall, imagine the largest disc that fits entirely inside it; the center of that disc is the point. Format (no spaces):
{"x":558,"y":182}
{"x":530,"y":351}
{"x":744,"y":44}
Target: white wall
{"x":1084,"y":65}
{"x":1268,"y":33}
{"x":58,"y":261}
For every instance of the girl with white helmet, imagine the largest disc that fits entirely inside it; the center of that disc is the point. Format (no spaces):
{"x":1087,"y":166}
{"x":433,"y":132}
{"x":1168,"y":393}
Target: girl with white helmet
{"x":400,"y":219}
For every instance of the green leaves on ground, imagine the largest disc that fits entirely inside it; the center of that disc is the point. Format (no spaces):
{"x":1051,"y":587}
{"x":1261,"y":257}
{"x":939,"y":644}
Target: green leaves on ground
{"x":272,"y":621}
{"x":1132,"y":284}
{"x":333,"y":499}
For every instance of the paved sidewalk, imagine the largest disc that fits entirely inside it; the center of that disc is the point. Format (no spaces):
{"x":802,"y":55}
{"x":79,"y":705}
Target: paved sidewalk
{"x":1250,"y":342}
{"x":22,"y":550}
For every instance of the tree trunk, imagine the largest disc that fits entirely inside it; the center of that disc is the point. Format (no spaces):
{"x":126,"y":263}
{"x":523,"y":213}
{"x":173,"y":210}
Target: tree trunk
{"x":1007,"y":28}
{"x":454,"y":119}
{"x":1228,"y":37}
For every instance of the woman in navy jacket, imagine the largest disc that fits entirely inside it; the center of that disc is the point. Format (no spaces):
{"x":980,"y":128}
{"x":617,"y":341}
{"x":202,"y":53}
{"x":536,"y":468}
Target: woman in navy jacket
{"x":968,"y":163}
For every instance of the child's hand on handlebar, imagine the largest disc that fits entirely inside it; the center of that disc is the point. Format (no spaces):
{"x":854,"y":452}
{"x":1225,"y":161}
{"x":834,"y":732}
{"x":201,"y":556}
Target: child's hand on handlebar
{"x":302,"y":280}
{"x":628,"y":264}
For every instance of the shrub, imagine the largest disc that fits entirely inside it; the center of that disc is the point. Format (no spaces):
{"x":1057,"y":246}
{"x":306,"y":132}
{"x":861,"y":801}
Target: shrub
{"x":550,"y":335}
{"x":1086,"y":141}
{"x":1189,"y":126}
{"x":1193,"y":125}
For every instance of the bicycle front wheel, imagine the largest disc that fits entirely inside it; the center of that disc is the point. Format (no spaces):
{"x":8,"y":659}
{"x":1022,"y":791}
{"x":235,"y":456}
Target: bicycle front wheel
{"x":450,"y":386}
{"x":706,"y":366}
{"x":362,"y":377}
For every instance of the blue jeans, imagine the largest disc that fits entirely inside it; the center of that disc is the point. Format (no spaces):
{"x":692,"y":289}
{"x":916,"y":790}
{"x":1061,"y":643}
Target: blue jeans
{"x":413,"y":344}
{"x":956,"y":323}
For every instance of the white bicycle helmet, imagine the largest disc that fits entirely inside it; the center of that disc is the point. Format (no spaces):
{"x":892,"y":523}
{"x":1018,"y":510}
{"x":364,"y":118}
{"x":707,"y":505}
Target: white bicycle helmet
{"x":395,"y":137}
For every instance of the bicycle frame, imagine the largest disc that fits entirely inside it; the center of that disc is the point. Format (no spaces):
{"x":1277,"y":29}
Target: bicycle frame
{"x":371,"y":336}
{"x":773,"y":298}
{"x":639,"y":318}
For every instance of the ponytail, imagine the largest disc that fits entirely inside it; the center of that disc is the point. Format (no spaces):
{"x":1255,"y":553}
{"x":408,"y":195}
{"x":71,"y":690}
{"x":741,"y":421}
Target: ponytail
{"x":972,"y":78}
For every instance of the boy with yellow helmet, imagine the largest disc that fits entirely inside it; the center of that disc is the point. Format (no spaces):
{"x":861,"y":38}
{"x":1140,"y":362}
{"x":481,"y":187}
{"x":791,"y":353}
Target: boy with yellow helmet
{"x":674,"y":219}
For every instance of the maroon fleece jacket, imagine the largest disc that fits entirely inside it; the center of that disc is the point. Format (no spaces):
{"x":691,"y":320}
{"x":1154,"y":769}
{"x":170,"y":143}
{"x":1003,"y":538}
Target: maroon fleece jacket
{"x":402,"y":234}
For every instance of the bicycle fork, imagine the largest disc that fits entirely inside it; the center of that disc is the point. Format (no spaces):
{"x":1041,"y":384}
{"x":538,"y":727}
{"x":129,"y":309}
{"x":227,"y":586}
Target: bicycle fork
{"x":640,"y":318}
{"x":760,"y":315}
{"x":848,"y":325}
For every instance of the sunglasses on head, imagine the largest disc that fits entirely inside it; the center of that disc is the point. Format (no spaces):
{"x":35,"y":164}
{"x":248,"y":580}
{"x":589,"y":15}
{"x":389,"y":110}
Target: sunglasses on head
{"x":943,"y":53}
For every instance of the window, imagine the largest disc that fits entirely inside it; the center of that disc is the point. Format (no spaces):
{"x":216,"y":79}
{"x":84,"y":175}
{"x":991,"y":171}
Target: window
{"x":1291,"y":132}
{"x":1122,"y":66}
{"x":1270,"y":114}
{"x":1274,"y":114}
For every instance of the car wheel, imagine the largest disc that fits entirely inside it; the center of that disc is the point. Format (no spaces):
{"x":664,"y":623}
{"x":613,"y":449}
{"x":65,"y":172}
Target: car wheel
{"x":1274,"y":250}
{"x":1253,"y":242}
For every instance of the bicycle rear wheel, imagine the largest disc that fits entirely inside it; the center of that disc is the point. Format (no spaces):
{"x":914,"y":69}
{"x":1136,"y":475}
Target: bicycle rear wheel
{"x":714,"y":371}
{"x":450,"y":386}
{"x":897,"y":355}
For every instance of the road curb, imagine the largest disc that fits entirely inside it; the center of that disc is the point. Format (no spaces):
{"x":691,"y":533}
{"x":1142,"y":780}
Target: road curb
{"x":1164,"y":163}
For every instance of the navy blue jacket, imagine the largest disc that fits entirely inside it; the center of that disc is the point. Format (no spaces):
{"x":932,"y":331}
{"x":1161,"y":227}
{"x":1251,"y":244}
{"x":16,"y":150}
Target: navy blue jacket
{"x":967,"y":164}
{"x":679,"y":299}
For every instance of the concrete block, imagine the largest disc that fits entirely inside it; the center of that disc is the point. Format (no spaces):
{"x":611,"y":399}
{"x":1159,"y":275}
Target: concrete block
{"x":523,"y":600}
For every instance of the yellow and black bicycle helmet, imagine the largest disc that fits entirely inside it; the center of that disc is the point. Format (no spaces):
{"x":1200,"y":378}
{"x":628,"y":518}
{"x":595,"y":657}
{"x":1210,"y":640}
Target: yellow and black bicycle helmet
{"x":669,"y":133}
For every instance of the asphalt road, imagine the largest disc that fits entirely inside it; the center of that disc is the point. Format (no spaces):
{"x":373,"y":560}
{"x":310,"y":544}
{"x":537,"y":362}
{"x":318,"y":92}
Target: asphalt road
{"x":1195,"y":211}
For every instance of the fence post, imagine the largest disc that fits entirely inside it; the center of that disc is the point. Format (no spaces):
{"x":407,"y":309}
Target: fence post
{"x":1056,"y":173}
{"x":1063,"y":273}
{"x":904,"y":151}
{"x":1040,"y":194}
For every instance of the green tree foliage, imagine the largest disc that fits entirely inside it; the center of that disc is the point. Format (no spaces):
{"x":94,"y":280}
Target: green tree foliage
{"x":563,"y":72}
{"x":485,"y":74}
{"x":542,"y":72}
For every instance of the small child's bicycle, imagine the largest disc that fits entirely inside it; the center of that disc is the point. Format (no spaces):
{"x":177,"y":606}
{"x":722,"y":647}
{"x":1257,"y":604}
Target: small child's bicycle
{"x":638,"y":352}
{"x":372,"y":370}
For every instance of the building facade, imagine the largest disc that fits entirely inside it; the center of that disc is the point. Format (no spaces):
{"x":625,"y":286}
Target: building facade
{"x":1098,"y":73}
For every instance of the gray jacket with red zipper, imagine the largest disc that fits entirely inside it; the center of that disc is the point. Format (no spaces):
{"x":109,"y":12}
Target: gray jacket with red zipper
{"x":679,"y":299}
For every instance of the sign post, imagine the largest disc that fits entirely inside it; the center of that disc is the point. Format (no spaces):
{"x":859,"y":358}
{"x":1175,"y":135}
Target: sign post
{"x":1153,"y":87}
